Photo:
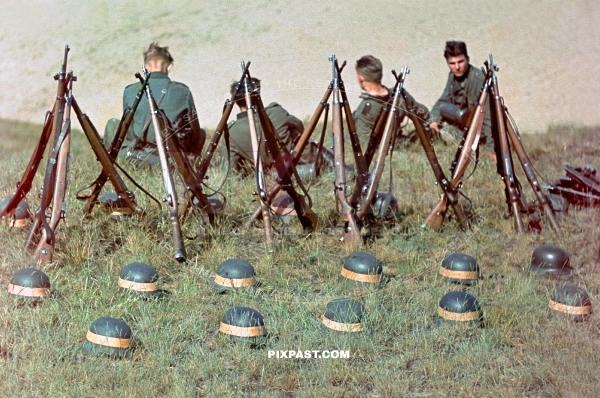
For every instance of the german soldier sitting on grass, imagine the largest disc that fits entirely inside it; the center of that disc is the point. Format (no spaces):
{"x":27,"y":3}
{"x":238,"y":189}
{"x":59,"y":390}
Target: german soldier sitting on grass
{"x":288,"y":129}
{"x":462,"y":90}
{"x":174,"y":98}
{"x":369,"y":72}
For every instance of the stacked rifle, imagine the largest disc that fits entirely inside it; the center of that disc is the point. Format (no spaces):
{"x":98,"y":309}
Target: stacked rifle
{"x":361,"y":204}
{"x":580,"y":186}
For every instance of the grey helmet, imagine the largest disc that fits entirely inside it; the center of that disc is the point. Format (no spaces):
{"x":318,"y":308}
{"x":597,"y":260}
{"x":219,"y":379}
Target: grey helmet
{"x":109,"y":336}
{"x":245,"y":325}
{"x":20,"y":216}
{"x":550,"y":259}
{"x":362,"y":268}
{"x":343,"y":315}
{"x":571,"y":300}
{"x":29,"y":283}
{"x":139,"y":278}
{"x":459,"y":307}
{"x":234,"y":274}
{"x":460,"y":268}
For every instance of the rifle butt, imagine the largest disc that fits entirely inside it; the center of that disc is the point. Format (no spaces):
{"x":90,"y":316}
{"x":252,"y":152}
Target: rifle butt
{"x":436,"y":217}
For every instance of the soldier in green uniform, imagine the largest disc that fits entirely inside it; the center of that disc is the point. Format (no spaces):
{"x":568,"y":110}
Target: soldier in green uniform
{"x":287,"y":127}
{"x":173,"y":97}
{"x":369,"y":72}
{"x":462,"y":89}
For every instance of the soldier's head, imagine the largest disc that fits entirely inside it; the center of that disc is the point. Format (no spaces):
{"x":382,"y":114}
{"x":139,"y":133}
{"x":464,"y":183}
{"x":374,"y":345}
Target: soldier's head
{"x":157,"y":58}
{"x":368,"y":69}
{"x":457,"y":57}
{"x":240,"y":97}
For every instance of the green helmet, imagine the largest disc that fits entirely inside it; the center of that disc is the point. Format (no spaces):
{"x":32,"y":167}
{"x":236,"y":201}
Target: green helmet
{"x":344,"y":315}
{"x":140,"y":279}
{"x":363,"y":268}
{"x":460,"y":268}
{"x":571,"y":300}
{"x":459,"y":307}
{"x":233,"y":274}
{"x":109,"y":336}
{"x":244,"y":325}
{"x":20,"y":216}
{"x":550,"y":259}
{"x":29,"y":283}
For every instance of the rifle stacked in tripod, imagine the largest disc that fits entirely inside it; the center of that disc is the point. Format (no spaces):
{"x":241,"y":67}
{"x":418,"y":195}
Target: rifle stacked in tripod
{"x":360,"y":204}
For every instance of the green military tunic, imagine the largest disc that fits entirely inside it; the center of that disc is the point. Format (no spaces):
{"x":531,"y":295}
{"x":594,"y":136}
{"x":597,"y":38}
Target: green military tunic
{"x":178,"y":105}
{"x":464,"y":92}
{"x":366,"y":114}
{"x":288,"y":128}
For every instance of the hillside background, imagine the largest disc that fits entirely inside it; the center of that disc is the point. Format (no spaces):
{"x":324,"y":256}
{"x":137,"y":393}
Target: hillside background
{"x":548,"y":51}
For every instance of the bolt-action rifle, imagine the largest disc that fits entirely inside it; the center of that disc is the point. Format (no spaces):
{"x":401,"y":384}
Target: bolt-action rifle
{"x":54,"y":188}
{"x":53,"y":122}
{"x":384,"y":144}
{"x":351,"y":231}
{"x":465,"y":153}
{"x":160,"y":122}
{"x":113,"y":151}
{"x":447,"y":188}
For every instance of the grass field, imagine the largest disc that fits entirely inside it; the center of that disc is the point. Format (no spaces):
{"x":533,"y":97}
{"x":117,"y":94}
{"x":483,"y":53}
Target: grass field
{"x":524,"y":349}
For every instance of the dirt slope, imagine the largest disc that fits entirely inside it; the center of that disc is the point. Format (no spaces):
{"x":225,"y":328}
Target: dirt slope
{"x":548,"y":51}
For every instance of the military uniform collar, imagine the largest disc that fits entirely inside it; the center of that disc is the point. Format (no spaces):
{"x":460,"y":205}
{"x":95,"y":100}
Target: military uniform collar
{"x":366,"y":95}
{"x":242,"y":115}
{"x":159,"y":75}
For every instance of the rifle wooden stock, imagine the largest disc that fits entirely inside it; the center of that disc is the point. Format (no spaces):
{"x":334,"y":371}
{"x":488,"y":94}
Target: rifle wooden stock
{"x":298,"y":148}
{"x":529,"y":172}
{"x":108,"y":170}
{"x":351,"y":234}
{"x":159,"y":122}
{"x":24,"y":185}
{"x":376,"y":134}
{"x":466,"y":154}
{"x":384,"y":145}
{"x":285,"y":167}
{"x":258,"y":169}
{"x":214,"y":142}
{"x":40,"y":228}
{"x":507,"y":164}
{"x":113,"y":151}
{"x":448,"y":189}
{"x":192,"y":182}
{"x":362,"y":169}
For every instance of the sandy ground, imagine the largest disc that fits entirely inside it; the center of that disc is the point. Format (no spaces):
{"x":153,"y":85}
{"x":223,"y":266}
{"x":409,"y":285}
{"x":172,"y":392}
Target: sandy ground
{"x":548,"y":51}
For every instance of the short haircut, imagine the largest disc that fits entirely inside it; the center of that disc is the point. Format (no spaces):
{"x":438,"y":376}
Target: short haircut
{"x":156,"y":52}
{"x":455,"y":48}
{"x":240,"y":98}
{"x":370,"y":68}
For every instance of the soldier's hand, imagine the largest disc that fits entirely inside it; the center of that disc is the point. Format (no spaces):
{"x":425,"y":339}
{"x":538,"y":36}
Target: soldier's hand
{"x":435,"y":127}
